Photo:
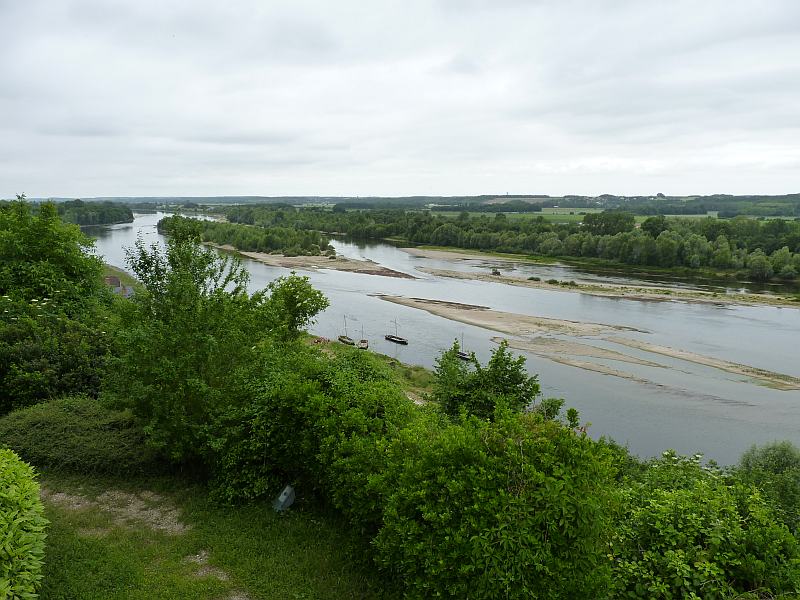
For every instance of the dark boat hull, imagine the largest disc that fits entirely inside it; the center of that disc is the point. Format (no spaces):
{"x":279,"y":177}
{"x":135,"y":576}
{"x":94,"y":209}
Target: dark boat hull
{"x":396,"y":339}
{"x":346,"y":340}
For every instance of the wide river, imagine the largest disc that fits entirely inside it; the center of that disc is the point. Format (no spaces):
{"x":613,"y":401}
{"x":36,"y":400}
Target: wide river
{"x":687,"y":406}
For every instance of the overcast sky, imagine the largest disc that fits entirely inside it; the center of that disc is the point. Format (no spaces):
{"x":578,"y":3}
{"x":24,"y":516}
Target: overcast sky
{"x":440,"y":97}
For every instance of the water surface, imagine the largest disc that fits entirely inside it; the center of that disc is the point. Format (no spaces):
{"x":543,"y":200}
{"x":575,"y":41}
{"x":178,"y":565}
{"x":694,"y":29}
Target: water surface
{"x":687,"y":407}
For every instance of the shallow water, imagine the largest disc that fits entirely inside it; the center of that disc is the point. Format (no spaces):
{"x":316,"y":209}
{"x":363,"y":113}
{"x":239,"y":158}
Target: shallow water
{"x":686,"y":406}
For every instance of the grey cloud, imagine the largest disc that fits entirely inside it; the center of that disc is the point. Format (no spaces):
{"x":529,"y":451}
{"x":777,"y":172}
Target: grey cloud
{"x":353,"y":98}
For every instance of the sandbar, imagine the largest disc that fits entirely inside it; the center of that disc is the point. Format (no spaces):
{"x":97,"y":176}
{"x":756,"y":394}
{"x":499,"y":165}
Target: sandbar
{"x":315,"y":263}
{"x":778,"y":381}
{"x":627,"y":292}
{"x":504,"y":322}
{"x":556,"y":349}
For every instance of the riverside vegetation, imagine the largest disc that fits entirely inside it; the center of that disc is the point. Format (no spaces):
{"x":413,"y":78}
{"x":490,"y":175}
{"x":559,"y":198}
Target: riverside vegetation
{"x":213,"y":396}
{"x":760,"y":250}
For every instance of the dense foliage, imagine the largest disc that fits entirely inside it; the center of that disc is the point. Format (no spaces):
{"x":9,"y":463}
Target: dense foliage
{"x":22,"y":529}
{"x":465,"y":385}
{"x":188,"y":337}
{"x":54,"y":311}
{"x":775,"y":469}
{"x":79,"y":435}
{"x":94,"y":213}
{"x":761,"y":249}
{"x":686,"y":531}
{"x":277,"y":237}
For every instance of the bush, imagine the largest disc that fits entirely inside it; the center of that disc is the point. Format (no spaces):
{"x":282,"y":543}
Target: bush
{"x":517,"y":508}
{"x":686,"y":532}
{"x":78,"y":435}
{"x":44,"y":353}
{"x":22,"y":529}
{"x":775,"y":469}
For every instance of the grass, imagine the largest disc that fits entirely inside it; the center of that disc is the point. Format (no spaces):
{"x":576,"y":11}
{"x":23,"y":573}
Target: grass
{"x":124,"y":277}
{"x":239,"y":553}
{"x":412,"y":378}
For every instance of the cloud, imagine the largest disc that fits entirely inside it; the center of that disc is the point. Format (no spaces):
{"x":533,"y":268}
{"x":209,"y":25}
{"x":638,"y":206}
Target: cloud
{"x":123,"y":97}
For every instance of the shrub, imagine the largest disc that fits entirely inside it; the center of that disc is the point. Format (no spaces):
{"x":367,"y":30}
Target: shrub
{"x":684,"y":532}
{"x":775,"y":469}
{"x":22,"y":529}
{"x":78,"y":435}
{"x":517,"y":508}
{"x":44,"y":353}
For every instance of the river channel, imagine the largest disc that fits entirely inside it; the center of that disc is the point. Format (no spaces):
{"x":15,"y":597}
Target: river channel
{"x":680,"y":404}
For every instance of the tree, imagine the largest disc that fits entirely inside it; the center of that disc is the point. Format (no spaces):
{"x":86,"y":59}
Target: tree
{"x":466,"y":385}
{"x":53,"y":322}
{"x":655,"y":225}
{"x":758,"y":265}
{"x":190,"y":338}
{"x":608,"y":222}
{"x":775,"y":468}
{"x":292,"y":305}
{"x":44,"y":257}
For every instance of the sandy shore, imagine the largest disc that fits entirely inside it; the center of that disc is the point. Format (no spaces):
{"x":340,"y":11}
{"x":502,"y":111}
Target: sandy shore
{"x":467,"y":255}
{"x":652,"y":294}
{"x":778,"y":381}
{"x":528,"y":331}
{"x":511,"y":323}
{"x":314,"y":263}
{"x":557,"y":349}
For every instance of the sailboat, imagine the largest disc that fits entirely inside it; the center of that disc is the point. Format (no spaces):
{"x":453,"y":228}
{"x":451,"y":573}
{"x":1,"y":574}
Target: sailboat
{"x":396,"y":338}
{"x":345,"y":339}
{"x":363,"y":343}
{"x":462,"y":354}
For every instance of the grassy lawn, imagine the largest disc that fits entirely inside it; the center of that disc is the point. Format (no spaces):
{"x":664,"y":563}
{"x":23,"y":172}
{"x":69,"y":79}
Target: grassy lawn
{"x":163,"y":539}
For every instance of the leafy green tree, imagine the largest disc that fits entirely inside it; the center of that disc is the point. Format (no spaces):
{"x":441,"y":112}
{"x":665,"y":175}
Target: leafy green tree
{"x":608,"y":222}
{"x":42,"y":257}
{"x":668,"y":246}
{"x":655,"y":225}
{"x":478,"y":390}
{"x":293,"y":305}
{"x":758,"y":266}
{"x":54,"y":327}
{"x":189,"y":340}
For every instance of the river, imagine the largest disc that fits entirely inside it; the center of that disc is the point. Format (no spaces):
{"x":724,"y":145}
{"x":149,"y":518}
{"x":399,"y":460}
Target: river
{"x":686,"y":406}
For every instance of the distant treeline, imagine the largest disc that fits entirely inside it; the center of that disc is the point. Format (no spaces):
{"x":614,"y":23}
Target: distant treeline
{"x":79,"y":212}
{"x":765,"y":249}
{"x":276,"y":239}
{"x":94,"y":213}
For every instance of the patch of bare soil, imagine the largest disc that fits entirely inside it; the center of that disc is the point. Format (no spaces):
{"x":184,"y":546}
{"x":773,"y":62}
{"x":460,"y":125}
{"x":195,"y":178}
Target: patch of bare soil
{"x":145,"y":508}
{"x":204,"y":569}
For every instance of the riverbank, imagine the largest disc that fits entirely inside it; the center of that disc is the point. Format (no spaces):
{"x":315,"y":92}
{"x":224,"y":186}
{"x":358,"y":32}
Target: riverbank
{"x":661,"y":293}
{"x":627,"y":292}
{"x":534,"y":334}
{"x":315,"y":263}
